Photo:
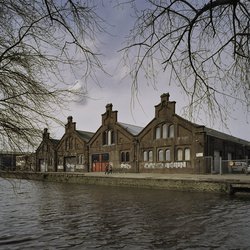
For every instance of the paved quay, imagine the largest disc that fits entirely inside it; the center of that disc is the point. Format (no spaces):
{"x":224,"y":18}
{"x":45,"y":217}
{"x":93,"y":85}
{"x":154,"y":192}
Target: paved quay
{"x":238,"y":178}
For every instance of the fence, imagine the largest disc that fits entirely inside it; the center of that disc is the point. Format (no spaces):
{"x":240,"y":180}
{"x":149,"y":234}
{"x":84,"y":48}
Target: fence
{"x":235,"y":166}
{"x":219,"y":166}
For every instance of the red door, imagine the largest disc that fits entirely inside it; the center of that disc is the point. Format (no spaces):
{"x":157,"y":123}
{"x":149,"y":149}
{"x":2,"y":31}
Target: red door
{"x":99,"y":162}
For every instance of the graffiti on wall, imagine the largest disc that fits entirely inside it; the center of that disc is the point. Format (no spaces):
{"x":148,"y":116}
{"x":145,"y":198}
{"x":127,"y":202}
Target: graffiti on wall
{"x":181,"y":164}
{"x":80,"y":166}
{"x":126,"y":166}
{"x":60,"y":167}
{"x":70,"y":167}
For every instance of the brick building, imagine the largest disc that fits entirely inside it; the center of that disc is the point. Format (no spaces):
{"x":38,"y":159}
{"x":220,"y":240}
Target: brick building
{"x":167,"y":144}
{"x":171,"y":144}
{"x":72,"y":150}
{"x":114,"y":143}
{"x":46,"y":154}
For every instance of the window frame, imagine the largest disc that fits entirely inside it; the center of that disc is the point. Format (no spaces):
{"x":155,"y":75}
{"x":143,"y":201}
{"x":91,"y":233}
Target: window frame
{"x":158,"y":132}
{"x":189,"y":155}
{"x":125,"y":156}
{"x":160,"y":155}
{"x":168,"y":158}
{"x":177,"y":154}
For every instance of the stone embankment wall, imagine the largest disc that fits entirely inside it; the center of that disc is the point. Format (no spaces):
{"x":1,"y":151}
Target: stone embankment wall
{"x":147,"y":182}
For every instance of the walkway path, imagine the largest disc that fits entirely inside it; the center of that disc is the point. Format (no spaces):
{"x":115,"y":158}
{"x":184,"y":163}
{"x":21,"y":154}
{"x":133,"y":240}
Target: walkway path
{"x":213,"y":177}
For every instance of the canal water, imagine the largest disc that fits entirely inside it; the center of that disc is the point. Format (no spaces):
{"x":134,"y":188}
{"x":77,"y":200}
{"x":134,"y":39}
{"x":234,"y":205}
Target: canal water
{"x":39,"y":215}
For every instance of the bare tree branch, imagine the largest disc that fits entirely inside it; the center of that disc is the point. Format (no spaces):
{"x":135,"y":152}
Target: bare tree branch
{"x":39,"y":41}
{"x":204,"y":44}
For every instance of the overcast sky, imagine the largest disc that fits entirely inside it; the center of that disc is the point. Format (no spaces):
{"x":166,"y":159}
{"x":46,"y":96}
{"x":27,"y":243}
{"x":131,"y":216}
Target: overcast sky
{"x":116,"y":89}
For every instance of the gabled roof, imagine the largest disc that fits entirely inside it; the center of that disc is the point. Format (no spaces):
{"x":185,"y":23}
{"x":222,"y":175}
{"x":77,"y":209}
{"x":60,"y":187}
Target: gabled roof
{"x":134,"y":130}
{"x":85,"y":135}
{"x":54,"y":143}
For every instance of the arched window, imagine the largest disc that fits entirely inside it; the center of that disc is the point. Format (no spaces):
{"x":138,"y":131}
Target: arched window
{"x":112,"y":137}
{"x":158,"y":133}
{"x":171,"y":131}
{"x":122,"y":157}
{"x":165,"y":131}
{"x":127,"y":156}
{"x":109,"y":137}
{"x":160,"y":155}
{"x":168,"y":157}
{"x":145,"y":156}
{"x":187,"y":154}
{"x":104,"y":138}
{"x":150,"y":156}
{"x":179,"y":154}
{"x":71,"y":145}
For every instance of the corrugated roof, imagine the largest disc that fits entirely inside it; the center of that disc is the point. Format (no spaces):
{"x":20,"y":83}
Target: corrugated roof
{"x":134,"y":130}
{"x":85,"y":135}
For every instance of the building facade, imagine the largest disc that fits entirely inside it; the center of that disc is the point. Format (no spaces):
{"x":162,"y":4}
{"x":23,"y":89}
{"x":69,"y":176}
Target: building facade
{"x":46,"y":154}
{"x":167,"y":144}
{"x":171,"y":144}
{"x":72,"y":150}
{"x":114,"y":143}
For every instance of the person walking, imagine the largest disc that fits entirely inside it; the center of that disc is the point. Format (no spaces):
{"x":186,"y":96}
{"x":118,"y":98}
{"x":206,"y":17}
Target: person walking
{"x":110,"y":169}
{"x":107,"y":169}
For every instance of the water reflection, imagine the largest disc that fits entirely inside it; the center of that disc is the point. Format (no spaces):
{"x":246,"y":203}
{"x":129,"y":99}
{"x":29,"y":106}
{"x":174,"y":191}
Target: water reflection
{"x":66,"y":216}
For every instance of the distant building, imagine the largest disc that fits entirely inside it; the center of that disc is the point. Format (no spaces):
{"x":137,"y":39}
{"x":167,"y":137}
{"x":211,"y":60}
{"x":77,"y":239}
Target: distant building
{"x":46,"y":154}
{"x":72,"y":150}
{"x":8,"y":160}
{"x":26,"y":162}
{"x":17,"y":161}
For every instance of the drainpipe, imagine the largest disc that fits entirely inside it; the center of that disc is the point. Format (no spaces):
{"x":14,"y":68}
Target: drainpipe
{"x":136,"y":154}
{"x":220,"y":165}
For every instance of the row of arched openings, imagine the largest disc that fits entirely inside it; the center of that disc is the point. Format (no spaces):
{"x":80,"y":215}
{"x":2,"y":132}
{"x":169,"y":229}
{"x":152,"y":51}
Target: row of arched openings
{"x":182,"y":154}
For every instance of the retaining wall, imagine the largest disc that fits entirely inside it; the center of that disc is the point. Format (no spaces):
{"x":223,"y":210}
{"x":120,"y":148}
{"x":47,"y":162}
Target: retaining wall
{"x":147,"y":182}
